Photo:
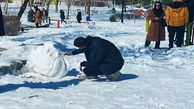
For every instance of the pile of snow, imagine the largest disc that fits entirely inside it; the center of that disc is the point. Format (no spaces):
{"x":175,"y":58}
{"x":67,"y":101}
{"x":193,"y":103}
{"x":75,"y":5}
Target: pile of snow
{"x":47,"y":61}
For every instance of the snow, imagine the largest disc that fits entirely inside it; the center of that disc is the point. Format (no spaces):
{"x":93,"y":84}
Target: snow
{"x":151,"y":78}
{"x":47,"y":61}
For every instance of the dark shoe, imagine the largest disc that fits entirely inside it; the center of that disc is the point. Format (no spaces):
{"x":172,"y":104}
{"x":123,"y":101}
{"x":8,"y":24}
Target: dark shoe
{"x":170,"y":46}
{"x":147,"y":43}
{"x":157,"y":45}
{"x":114,"y":76}
{"x":84,"y":77}
{"x":190,"y":43}
{"x":92,"y":77}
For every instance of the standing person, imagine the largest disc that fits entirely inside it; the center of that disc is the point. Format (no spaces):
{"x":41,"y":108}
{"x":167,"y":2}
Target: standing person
{"x":37,"y":17}
{"x":103,"y":57}
{"x":2,"y":29}
{"x":79,"y":16}
{"x":44,"y":14}
{"x":31,"y":15}
{"x":177,"y":16}
{"x":189,"y":26}
{"x":156,"y":31}
{"x":62,"y":16}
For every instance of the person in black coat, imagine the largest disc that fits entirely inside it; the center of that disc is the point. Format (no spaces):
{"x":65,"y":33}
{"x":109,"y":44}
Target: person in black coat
{"x":103,"y":57}
{"x":2,"y":29}
{"x":62,"y":16}
{"x":79,"y":16}
{"x":190,"y":5}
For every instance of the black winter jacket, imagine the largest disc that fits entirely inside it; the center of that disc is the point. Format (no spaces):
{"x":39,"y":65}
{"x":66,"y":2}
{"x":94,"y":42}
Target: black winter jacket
{"x":190,"y":5}
{"x":100,"y":52}
{"x":2,"y":30}
{"x":79,"y":16}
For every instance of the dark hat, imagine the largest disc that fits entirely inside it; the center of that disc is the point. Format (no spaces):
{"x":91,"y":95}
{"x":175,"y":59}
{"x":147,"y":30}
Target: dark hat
{"x":80,"y":42}
{"x":61,"y":11}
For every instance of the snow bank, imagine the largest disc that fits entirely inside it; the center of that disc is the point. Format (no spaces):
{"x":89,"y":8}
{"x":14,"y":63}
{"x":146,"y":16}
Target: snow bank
{"x":47,"y":61}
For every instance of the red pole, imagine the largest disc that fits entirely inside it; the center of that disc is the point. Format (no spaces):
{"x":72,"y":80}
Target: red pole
{"x":58,"y":23}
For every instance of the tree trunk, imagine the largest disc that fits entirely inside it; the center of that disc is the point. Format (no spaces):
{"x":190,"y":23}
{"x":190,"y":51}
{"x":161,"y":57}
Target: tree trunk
{"x":56,"y":6}
{"x":22,"y":9}
{"x":31,"y":3}
{"x":88,"y":4}
{"x":85,"y":6}
{"x":48,"y":5}
{"x":22,"y":2}
{"x":6,"y":6}
{"x":2,"y":30}
{"x":68,"y":8}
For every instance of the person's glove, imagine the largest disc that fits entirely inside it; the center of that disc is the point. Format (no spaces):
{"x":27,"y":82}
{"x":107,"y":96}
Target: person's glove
{"x":83,"y":64}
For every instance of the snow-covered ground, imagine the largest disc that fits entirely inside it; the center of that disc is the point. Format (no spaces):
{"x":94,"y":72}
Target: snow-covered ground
{"x":151,"y":79}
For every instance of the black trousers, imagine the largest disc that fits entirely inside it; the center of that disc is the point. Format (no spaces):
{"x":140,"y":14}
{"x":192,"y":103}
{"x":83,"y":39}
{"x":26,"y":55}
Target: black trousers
{"x":179,"y":32}
{"x":104,"y":69}
{"x":92,"y":71}
{"x":78,"y":20}
{"x":37,"y":25}
{"x":157,"y":45}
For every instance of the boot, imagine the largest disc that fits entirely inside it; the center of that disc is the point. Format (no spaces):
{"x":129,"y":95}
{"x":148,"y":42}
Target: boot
{"x":114,"y":76}
{"x":147,"y":43}
{"x":157,"y":45}
{"x":84,"y":77}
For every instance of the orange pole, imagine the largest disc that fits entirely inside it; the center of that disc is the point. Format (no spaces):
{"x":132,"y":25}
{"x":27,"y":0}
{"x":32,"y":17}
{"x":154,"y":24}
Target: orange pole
{"x":58,"y":23}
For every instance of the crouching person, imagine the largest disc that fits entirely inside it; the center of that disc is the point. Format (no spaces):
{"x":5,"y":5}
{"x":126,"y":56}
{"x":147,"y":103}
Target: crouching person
{"x":103,"y":57}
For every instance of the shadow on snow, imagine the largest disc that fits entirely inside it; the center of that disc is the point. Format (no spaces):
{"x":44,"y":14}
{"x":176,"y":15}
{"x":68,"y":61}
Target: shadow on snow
{"x":72,"y":72}
{"x":128,"y":76}
{"x":122,"y":78}
{"x":39,"y":85}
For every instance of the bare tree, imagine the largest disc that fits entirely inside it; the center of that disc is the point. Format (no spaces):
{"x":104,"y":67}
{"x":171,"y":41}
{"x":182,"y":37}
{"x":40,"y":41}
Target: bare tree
{"x":87,"y":8}
{"x":22,"y":9}
{"x":31,"y":3}
{"x":22,"y":1}
{"x":48,"y":2}
{"x":6,"y":6}
{"x":56,"y":6}
{"x":68,"y":2}
{"x":107,"y":3}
